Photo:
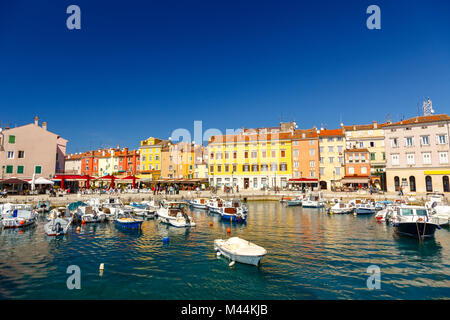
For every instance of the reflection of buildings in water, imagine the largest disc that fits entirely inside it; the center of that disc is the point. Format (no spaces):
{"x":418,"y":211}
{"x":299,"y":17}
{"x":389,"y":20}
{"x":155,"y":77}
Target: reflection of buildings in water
{"x":22,"y":256}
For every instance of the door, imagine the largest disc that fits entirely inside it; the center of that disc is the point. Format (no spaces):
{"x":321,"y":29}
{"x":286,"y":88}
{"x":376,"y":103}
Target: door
{"x":246,"y":183}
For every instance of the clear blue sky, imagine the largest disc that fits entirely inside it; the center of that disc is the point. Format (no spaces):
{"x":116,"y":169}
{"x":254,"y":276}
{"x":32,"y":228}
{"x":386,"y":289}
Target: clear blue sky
{"x":143,"y":68}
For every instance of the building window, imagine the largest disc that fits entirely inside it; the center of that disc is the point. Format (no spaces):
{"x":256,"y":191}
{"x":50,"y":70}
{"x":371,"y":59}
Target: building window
{"x":283,"y":167}
{"x":10,"y":154}
{"x":211,"y":168}
{"x":19,"y":169}
{"x":38,"y":169}
{"x":409,"y":141}
{"x":361,"y":144}
{"x":254,"y":167}
{"x":246,"y":154}
{"x":234,"y":155}
{"x":426,"y":156}
{"x":321,"y":149}
{"x":443,"y":157}
{"x":372,"y":156}
{"x":22,"y":155}
{"x":441,"y":139}
{"x":312,"y":174}
{"x":274,"y":154}
{"x":429,"y":184}
{"x":246,"y":168}
{"x":363,"y":170}
{"x":312,"y":152}
{"x":412,"y":184}
{"x":394,"y":142}
{"x":330,"y":149}
{"x":283,"y":153}
{"x":227,"y":168}
{"x":321,"y":171}
{"x":254,"y":154}
{"x":9,"y":169}
{"x":395,"y":160}
{"x":312,"y":163}
{"x":331,"y":159}
{"x":12,"y":139}
{"x":219,"y":168}
{"x":351,"y":170}
{"x":410,"y":158}
{"x":337,"y":171}
{"x":425,"y":140}
{"x":273,"y":167}
{"x":372,"y":144}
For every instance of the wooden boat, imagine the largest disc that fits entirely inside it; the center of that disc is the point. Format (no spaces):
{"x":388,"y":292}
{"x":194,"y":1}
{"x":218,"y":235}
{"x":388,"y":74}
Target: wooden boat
{"x":240,"y":250}
{"x":200,"y":203}
{"x":233,"y":214}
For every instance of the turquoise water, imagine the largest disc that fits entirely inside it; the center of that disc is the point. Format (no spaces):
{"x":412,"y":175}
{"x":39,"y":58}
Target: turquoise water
{"x":311,"y":255}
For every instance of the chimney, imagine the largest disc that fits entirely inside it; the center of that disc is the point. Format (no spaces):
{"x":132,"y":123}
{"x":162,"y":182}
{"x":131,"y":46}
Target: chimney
{"x":354,"y":127}
{"x":36,"y":121}
{"x":375,"y":125}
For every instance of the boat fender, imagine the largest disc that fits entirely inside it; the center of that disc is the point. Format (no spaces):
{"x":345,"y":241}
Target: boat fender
{"x":228,"y":230}
{"x":218,"y":254}
{"x":166,"y":239}
{"x":231,"y":263}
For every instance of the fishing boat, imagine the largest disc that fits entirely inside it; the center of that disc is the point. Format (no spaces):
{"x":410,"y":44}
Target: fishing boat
{"x":126,"y":220}
{"x":169,"y":211}
{"x":18,"y":216}
{"x":214,"y":204}
{"x":341,"y":208}
{"x":313,"y":201}
{"x":43,"y":207}
{"x":233,"y":214}
{"x":142,"y":210}
{"x":413,"y":221}
{"x":57,"y":212}
{"x":57,"y":226}
{"x":284,"y":199}
{"x":240,"y":250}
{"x":294,"y":202}
{"x":362,"y":207}
{"x":92,"y":215}
{"x":380,"y":205}
{"x":182,"y":220}
{"x":200,"y":203}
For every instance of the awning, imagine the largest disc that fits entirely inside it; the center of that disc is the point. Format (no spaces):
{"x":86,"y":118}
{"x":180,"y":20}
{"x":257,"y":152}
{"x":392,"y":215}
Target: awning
{"x":14,"y":181}
{"x":303,"y":180}
{"x":41,"y":180}
{"x":354,"y":180}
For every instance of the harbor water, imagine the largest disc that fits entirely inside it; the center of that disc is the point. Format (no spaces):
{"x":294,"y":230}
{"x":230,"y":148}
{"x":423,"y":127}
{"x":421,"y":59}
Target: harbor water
{"x":311,"y":255}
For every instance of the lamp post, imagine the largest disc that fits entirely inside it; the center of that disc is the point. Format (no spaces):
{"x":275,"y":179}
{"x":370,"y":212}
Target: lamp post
{"x":101,"y":182}
{"x":3,"y":171}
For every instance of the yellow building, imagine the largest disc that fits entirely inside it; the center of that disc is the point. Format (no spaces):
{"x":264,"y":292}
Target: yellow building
{"x":331,"y":157}
{"x":150,"y":157}
{"x":253,"y":159}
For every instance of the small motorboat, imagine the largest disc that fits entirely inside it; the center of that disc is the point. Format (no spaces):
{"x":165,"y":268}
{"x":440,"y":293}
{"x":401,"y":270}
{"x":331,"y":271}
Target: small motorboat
{"x":200,"y":203}
{"x":142,"y":210}
{"x":439,"y":212}
{"x":215,"y":204}
{"x":240,"y":250}
{"x":57,"y":226}
{"x":43,"y":207}
{"x":19,"y":216}
{"x":413,"y":221}
{"x":182,"y":221}
{"x":233,"y":214}
{"x":341,"y":208}
{"x":92,"y":215}
{"x":363,"y":208}
{"x":57,"y":213}
{"x":294,"y":202}
{"x":125,"y":220}
{"x":237,"y":203}
{"x":284,"y":199}
{"x":313,"y":201}
{"x":169,"y":211}
{"x":380,"y":205}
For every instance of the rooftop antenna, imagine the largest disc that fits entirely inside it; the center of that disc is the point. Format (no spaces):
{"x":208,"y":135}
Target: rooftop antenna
{"x":427,"y":107}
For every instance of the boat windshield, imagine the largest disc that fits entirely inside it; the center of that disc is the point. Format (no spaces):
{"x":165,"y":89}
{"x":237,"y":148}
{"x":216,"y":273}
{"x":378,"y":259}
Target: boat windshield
{"x":407,"y":212}
{"x":421,"y":212}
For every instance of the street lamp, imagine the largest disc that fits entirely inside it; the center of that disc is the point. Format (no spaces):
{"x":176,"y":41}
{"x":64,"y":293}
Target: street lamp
{"x":3,"y":170}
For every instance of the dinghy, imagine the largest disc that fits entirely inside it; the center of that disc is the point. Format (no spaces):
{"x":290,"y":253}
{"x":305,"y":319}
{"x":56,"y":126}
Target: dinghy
{"x":240,"y":250}
{"x":125,"y":220}
{"x":182,"y":221}
{"x":57,"y":226}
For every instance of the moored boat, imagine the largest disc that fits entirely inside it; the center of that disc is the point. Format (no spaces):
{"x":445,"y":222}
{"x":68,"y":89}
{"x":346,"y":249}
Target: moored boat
{"x":57,"y":226}
{"x":18,"y":215}
{"x":240,"y":250}
{"x":200,"y":203}
{"x":313,"y":201}
{"x":233,"y":214}
{"x":127,"y":221}
{"x":341,"y":208}
{"x":182,"y":220}
{"x":413,"y":221}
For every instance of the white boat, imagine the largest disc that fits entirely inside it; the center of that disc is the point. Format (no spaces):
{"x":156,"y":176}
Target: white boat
{"x":413,"y":221}
{"x":142,"y":210}
{"x":182,"y":220}
{"x":240,"y":250}
{"x":18,"y":215}
{"x":58,"y":213}
{"x":313,"y":201}
{"x":341,"y":208}
{"x":215,"y":204}
{"x":439,"y":212}
{"x":57,"y":226}
{"x":200,"y":203}
{"x":92,"y":215}
{"x":169,"y":211}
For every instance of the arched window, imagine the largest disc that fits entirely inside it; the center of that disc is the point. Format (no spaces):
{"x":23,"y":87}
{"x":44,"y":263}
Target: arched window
{"x":429,"y":184}
{"x":396,"y":183}
{"x":446,"y":184}
{"x":412,"y":183}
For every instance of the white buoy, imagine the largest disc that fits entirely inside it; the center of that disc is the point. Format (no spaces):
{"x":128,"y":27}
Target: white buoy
{"x":218,"y":254}
{"x":102,"y":266}
{"x":231,"y":264}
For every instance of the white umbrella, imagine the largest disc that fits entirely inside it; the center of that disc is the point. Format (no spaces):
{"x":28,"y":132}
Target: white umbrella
{"x":42,"y":180}
{"x":33,"y":182}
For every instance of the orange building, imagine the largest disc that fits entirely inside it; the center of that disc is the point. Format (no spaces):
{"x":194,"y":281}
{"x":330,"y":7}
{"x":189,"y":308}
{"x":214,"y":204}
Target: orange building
{"x":305,"y":157}
{"x":357,"y":167}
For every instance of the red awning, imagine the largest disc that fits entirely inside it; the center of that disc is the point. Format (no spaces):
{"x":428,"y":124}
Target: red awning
{"x":130,"y":178}
{"x":304,"y":180}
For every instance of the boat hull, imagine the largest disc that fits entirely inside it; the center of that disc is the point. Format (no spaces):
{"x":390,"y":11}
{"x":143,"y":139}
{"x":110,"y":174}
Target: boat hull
{"x":364,"y":211}
{"x":415,"y":230}
{"x":129,"y":225}
{"x":233,"y":218}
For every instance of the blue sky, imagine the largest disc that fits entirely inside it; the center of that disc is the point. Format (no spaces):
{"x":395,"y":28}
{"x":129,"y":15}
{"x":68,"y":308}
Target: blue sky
{"x":144,"y":68}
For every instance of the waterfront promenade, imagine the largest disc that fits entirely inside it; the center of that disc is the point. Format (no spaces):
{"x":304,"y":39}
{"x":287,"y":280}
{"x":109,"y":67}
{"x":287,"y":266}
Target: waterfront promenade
{"x":249,"y":195}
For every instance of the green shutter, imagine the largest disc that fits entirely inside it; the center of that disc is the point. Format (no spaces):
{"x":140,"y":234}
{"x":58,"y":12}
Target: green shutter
{"x":38,"y":170}
{"x":12,"y":139}
{"x":19,"y":169}
{"x":9,"y":169}
{"x":372,"y":156}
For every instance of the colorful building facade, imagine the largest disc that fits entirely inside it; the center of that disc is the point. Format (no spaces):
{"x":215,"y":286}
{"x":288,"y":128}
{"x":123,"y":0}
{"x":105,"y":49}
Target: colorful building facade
{"x":331,"y":157}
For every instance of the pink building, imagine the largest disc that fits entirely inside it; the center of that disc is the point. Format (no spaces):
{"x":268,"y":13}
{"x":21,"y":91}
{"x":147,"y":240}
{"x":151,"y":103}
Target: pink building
{"x":31,"y":149}
{"x":417,"y":152}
